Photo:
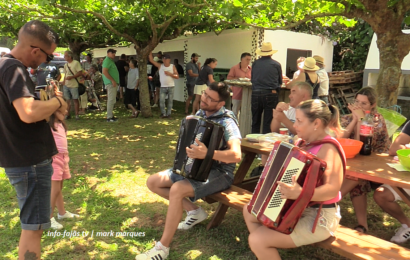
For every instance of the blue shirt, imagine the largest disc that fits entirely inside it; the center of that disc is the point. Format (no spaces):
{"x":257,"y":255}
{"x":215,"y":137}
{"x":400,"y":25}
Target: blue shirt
{"x":266,"y":74}
{"x":230,"y":124}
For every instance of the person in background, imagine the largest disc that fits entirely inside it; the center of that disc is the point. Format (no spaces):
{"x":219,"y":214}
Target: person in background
{"x":266,"y":78}
{"x":122,"y":67}
{"x":179,"y":68}
{"x":97,"y":84}
{"x":45,"y":71}
{"x":158,"y":57}
{"x":192,"y":72}
{"x":132,"y":92}
{"x":365,"y":100}
{"x":205,"y":77}
{"x":386,"y":197}
{"x":100,"y":62}
{"x":323,"y":91}
{"x":72,"y":72}
{"x":167,"y":74}
{"x":299,"y":63}
{"x":86,"y":65}
{"x":27,"y":144}
{"x":111,"y":79}
{"x":240,"y":70}
{"x":310,"y":76}
{"x":61,"y":170}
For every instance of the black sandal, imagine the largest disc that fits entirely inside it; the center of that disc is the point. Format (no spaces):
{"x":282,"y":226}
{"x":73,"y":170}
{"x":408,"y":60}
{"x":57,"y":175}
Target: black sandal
{"x":363,"y":229}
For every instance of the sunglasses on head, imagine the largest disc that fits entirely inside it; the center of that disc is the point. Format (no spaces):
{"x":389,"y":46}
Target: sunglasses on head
{"x":50,"y":57}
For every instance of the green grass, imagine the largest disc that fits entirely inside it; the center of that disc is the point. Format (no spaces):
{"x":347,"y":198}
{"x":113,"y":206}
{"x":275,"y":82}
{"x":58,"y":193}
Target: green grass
{"x":110,"y":163}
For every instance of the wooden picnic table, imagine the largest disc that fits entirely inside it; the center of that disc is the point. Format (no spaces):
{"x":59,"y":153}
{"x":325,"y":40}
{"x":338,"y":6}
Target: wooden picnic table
{"x":373,"y":168}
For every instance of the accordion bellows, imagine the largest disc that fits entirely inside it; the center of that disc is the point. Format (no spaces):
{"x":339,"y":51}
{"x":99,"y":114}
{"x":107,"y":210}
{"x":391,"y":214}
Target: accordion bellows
{"x":206,"y":131}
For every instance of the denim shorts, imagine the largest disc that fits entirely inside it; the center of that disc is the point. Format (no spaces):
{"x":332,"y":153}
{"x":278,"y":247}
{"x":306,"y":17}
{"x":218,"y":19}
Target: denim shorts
{"x":70,"y":93}
{"x":33,"y":188}
{"x":220,"y":178}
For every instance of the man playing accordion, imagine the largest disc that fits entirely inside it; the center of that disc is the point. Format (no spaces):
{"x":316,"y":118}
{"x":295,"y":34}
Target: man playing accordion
{"x":182,"y":192}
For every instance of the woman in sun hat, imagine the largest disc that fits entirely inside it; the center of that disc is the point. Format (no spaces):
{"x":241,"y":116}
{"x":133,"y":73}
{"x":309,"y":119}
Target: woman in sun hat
{"x":310,"y":75}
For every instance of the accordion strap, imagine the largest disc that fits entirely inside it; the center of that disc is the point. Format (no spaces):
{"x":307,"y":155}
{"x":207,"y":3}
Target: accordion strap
{"x":213,"y":145}
{"x":342,"y":157}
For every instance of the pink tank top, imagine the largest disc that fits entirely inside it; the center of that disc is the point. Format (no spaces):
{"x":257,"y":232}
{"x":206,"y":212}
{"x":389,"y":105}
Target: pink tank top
{"x":314,"y":150}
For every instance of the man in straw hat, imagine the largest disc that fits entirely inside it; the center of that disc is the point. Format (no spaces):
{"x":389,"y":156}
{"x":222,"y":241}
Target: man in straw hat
{"x":323,"y":91}
{"x":266,"y":81}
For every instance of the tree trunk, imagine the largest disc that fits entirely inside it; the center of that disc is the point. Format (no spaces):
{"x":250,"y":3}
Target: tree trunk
{"x":143,"y":86}
{"x":390,"y":69}
{"x":77,"y":48}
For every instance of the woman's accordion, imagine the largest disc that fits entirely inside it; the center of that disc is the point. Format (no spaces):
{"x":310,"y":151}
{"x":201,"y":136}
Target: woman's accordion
{"x":207,"y":132}
{"x":284,"y":161}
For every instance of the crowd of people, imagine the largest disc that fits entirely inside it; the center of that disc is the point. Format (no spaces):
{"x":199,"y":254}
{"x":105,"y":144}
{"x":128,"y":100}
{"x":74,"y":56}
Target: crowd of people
{"x":37,"y":164}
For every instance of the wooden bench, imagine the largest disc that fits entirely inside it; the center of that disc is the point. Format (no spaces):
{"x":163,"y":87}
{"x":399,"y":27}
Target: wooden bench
{"x":355,"y":245}
{"x":347,"y":242}
{"x":234,"y":197}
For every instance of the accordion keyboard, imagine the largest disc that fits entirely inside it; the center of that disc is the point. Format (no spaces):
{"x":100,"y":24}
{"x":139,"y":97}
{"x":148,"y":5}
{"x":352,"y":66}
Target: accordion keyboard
{"x":276,"y":203}
{"x":199,"y":137}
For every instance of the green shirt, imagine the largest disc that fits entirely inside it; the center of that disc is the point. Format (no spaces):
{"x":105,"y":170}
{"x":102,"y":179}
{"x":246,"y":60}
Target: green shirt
{"x":112,"y":70}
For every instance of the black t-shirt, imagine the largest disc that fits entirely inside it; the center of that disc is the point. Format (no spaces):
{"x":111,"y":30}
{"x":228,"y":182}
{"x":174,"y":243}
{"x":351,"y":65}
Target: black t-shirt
{"x":203,"y":75}
{"x":406,"y":129}
{"x":121,"y":64}
{"x":22,"y":144}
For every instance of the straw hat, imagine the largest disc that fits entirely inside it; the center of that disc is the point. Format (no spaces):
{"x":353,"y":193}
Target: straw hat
{"x":266,"y":49}
{"x":319,"y":59}
{"x":310,"y":64}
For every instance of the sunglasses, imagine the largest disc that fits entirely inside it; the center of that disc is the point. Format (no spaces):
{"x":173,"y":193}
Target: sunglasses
{"x":50,"y":57}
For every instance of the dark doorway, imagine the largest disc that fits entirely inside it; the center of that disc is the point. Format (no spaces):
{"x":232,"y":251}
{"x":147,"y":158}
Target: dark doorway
{"x":291,"y":58}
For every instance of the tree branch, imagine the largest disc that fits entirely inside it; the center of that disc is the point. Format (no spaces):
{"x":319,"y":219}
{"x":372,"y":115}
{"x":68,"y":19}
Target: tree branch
{"x":153,"y":27}
{"x":103,"y":19}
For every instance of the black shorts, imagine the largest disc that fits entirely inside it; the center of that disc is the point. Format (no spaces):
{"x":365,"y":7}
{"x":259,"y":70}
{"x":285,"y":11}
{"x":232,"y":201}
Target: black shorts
{"x":190,"y":89}
{"x":130,"y":97}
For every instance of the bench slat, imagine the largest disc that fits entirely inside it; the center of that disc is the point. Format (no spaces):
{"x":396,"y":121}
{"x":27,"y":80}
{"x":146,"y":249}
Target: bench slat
{"x":234,"y":197}
{"x":354,"y":245}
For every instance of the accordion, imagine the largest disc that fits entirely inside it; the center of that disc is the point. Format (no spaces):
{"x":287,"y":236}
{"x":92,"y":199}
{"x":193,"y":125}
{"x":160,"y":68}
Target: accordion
{"x":284,"y":161}
{"x":207,"y":132}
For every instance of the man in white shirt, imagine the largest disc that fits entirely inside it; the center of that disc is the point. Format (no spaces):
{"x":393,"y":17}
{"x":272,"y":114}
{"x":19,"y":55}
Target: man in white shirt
{"x":323,"y":91}
{"x":284,"y":114}
{"x":167,"y":74}
{"x":72,"y":72}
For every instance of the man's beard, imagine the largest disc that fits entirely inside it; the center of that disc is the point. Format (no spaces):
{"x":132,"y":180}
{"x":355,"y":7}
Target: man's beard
{"x":193,"y":61}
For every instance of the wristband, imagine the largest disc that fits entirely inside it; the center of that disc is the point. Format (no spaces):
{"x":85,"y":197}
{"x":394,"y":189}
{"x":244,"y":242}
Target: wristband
{"x":59,"y":102}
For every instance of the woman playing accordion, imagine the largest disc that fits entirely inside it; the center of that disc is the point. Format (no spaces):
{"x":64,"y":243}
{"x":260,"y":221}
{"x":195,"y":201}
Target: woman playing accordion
{"x":314,"y":120}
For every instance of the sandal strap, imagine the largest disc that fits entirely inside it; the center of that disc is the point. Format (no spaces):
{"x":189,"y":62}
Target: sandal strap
{"x":361,"y":227}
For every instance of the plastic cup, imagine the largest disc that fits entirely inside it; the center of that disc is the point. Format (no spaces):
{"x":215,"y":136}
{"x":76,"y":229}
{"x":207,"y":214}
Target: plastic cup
{"x":283,"y":131}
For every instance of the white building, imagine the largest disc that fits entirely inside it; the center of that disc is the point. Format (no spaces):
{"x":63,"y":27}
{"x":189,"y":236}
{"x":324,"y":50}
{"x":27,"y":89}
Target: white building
{"x":230,"y":44}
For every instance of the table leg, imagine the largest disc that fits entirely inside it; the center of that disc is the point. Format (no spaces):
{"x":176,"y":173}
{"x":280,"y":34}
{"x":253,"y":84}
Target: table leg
{"x":240,"y":174}
{"x":218,"y":216}
{"x":404,"y":196}
{"x":243,"y":168}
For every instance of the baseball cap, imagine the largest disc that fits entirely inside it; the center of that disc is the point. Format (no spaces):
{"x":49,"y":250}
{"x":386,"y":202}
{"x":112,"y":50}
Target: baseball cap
{"x":195,"y":55}
{"x":166,"y":56}
{"x":111,"y":50}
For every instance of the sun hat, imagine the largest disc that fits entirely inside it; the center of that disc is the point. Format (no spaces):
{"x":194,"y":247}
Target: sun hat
{"x":310,"y":64}
{"x":266,"y":49}
{"x":319,"y":59}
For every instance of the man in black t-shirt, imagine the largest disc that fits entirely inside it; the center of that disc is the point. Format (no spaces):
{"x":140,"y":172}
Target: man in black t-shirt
{"x":27,"y":144}
{"x":123,"y":68}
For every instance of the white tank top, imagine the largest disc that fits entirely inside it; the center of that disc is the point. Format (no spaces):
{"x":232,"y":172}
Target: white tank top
{"x":166,"y":81}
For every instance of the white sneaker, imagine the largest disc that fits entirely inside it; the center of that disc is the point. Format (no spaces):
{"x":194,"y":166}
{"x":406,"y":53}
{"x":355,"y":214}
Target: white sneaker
{"x":401,"y":236}
{"x":68,"y":215}
{"x":192,"y":219}
{"x":157,"y":253}
{"x":155,"y":105}
{"x":55,"y":225}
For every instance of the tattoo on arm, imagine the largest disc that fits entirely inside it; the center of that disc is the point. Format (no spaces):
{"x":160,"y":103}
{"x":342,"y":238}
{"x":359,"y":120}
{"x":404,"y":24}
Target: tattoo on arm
{"x":30,"y":256}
